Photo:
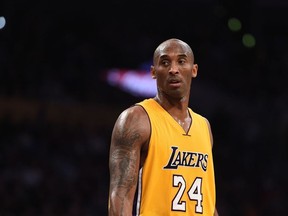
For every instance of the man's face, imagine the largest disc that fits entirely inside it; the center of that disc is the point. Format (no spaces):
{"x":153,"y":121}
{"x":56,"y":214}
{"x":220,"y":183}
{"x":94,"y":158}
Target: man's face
{"x":173,"y":68}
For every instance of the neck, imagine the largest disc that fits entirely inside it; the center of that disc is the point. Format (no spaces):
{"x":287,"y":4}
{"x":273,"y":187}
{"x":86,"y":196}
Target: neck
{"x":177,"y":104}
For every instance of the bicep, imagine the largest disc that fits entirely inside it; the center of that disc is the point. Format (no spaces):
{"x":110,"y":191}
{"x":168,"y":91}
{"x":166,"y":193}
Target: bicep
{"x":127,"y":139}
{"x":124,"y":154}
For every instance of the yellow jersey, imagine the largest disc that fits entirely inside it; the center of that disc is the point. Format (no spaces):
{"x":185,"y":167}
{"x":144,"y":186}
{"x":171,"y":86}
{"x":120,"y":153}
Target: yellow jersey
{"x":177,"y":177}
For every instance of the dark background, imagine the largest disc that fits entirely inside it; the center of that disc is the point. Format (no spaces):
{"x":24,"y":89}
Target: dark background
{"x":57,"y":111}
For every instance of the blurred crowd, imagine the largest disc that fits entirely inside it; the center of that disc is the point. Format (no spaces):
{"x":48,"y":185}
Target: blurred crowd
{"x":55,"y":163}
{"x":52,"y":170}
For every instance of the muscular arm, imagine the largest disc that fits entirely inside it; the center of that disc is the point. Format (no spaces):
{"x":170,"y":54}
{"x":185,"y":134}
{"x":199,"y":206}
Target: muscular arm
{"x":131,"y":131}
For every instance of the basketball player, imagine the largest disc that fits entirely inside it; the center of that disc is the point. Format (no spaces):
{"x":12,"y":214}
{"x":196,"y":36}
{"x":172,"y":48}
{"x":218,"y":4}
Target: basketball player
{"x":160,"y":159}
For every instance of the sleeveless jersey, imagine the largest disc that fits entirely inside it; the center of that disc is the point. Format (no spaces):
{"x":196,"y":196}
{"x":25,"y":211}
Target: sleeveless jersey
{"x":177,"y":177}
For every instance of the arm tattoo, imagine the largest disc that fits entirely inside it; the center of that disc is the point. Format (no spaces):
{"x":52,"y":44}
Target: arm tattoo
{"x":125,"y":159}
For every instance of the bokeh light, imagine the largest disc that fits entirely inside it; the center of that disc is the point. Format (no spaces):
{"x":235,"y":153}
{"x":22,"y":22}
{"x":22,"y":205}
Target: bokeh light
{"x":234,"y":24}
{"x":2,"y":22}
{"x":248,"y":40}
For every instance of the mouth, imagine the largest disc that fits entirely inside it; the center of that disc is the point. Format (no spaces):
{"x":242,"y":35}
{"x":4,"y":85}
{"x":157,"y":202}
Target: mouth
{"x":174,"y":82}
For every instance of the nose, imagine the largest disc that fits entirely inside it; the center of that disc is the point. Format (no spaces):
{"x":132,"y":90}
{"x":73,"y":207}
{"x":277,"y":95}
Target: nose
{"x":174,"y":68}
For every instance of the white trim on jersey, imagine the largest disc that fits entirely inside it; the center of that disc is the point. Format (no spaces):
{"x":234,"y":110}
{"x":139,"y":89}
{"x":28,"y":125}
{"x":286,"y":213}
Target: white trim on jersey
{"x":139,"y":192}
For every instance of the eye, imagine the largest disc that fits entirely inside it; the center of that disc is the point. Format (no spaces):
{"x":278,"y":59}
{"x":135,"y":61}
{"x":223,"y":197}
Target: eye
{"x":165,"y":62}
{"x":182,"y":61}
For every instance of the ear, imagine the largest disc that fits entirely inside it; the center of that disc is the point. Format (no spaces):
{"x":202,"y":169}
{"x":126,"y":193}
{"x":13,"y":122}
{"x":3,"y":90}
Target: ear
{"x":194,"y":70}
{"x":152,"y":71}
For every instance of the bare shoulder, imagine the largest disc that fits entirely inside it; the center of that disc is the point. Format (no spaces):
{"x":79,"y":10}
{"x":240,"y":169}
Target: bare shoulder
{"x":132,"y":126}
{"x":134,"y":113}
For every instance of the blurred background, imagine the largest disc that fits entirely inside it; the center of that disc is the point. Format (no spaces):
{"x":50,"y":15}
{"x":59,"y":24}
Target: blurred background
{"x":68,"y":68}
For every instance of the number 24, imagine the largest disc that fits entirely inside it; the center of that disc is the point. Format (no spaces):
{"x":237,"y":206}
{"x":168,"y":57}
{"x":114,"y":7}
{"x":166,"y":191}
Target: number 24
{"x":194,"y":194}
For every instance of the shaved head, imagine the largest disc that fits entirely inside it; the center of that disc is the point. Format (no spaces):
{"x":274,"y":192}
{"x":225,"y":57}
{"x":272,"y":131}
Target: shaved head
{"x":172,"y":44}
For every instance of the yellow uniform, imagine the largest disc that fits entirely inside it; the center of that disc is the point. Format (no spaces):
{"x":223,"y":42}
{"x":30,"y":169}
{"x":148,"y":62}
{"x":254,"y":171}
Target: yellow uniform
{"x":178,"y":175}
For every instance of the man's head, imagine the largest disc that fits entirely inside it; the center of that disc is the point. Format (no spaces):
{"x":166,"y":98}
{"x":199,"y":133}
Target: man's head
{"x":173,"y":68}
